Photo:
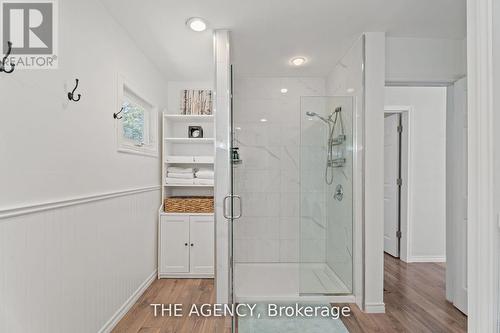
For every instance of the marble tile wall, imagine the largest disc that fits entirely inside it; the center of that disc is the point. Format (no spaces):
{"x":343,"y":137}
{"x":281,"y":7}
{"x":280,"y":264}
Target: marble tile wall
{"x":267,"y":129}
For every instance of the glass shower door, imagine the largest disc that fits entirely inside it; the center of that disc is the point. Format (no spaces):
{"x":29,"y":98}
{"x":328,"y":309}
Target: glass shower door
{"x":326,"y":200}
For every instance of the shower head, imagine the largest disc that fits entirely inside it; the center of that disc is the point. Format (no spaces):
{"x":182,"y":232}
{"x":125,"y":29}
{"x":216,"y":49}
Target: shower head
{"x":314,"y":114}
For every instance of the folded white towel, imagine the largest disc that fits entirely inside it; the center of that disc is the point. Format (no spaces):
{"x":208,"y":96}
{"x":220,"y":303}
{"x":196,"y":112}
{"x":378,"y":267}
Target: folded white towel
{"x":180,"y":170}
{"x":206,"y":174}
{"x":199,"y":181}
{"x":179,"y":181}
{"x":180,"y":175}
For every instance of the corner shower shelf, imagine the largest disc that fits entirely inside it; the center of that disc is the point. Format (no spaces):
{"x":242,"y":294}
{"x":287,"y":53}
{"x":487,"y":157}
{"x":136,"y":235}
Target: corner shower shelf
{"x":338,"y":140}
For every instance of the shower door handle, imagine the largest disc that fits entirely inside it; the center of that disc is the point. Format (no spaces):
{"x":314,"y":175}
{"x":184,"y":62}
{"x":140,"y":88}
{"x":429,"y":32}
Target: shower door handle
{"x":224,"y":207}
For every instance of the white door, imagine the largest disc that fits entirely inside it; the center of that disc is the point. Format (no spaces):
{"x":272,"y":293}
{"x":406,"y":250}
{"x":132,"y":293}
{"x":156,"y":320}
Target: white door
{"x":202,"y":245}
{"x":460,"y":223}
{"x":174,"y":246}
{"x":391,"y":187}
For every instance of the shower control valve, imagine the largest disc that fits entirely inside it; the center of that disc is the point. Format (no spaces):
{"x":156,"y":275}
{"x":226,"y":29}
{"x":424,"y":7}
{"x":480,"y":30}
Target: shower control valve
{"x":339,"y":193}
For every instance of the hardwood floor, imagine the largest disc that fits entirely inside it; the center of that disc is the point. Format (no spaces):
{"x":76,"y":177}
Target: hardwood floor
{"x":414,"y":295}
{"x":173,"y":291}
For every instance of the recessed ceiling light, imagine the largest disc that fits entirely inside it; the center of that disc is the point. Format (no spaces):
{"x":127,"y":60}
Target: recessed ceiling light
{"x":263,"y":120}
{"x":196,"y":24}
{"x":284,"y":90}
{"x":298,"y":61}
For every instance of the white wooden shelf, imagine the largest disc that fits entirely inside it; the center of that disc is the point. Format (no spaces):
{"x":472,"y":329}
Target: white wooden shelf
{"x":184,"y":117}
{"x":187,"y":185}
{"x":186,"y":214}
{"x":189,"y":140}
{"x":186,"y":159}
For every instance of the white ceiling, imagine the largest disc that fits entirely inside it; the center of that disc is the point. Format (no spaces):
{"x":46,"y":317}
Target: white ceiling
{"x":267,"y":33}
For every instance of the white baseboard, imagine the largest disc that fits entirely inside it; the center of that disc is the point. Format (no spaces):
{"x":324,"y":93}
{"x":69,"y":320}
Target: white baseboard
{"x":111,"y":323}
{"x":375,"y":307}
{"x":426,"y":259}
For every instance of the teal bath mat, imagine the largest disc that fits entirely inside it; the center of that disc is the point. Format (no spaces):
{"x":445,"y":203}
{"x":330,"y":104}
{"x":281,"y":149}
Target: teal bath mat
{"x":260,"y":322}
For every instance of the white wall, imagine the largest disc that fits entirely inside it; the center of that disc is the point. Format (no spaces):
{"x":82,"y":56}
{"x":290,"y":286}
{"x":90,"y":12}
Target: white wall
{"x":427,"y":222}
{"x":374,"y":171}
{"x":268,"y":179}
{"x":424,"y":60}
{"x":74,"y":266}
{"x":496,"y":124}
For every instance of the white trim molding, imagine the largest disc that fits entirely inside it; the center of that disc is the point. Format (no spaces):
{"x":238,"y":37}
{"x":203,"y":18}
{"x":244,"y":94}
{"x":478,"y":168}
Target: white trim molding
{"x":375,"y":307}
{"x":42,"y":206}
{"x":122,"y":311}
{"x":482,"y":231}
{"x":414,"y":259}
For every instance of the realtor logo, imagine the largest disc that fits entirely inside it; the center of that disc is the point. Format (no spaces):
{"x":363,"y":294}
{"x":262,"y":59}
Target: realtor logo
{"x":31,"y":28}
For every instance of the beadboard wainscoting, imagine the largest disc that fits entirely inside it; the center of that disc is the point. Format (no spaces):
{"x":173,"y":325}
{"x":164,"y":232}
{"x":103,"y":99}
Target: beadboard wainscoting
{"x":76,"y":265}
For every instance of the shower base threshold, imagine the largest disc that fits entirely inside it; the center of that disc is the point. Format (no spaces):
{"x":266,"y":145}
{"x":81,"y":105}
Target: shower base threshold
{"x":288,"y":282}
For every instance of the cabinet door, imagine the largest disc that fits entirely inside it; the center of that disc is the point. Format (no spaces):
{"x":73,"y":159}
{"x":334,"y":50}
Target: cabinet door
{"x":174,"y":244}
{"x":202,"y":244}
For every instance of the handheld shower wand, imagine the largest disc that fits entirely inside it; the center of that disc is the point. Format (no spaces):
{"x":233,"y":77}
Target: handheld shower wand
{"x":330,"y":160}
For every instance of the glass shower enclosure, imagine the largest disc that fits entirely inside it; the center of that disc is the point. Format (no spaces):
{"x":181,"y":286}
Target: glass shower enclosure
{"x":276,"y":259}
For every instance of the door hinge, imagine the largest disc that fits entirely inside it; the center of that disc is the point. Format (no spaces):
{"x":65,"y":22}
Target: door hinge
{"x":399,"y":181}
{"x":400,"y":129}
{"x":398,"y":234}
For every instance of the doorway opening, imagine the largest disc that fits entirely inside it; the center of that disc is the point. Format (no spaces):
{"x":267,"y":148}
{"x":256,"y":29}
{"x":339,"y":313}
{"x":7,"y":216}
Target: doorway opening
{"x":425,"y":181}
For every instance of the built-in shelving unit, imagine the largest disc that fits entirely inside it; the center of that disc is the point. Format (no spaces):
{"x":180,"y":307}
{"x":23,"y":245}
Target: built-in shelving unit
{"x":181,"y":150}
{"x":186,"y":240}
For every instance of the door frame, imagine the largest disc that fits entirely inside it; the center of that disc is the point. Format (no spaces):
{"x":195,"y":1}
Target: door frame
{"x":406,"y":150}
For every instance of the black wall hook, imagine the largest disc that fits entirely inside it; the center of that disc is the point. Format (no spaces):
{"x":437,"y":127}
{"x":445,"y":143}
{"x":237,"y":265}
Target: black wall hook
{"x":71,"y":95}
{"x":115,"y":115}
{"x":4,"y":59}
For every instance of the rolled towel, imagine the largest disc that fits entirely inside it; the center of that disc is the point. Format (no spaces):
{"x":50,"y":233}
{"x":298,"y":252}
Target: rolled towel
{"x":200,"y":181}
{"x":180,"y":170}
{"x":205,"y":174}
{"x":182,"y":181}
{"x":180,"y":175}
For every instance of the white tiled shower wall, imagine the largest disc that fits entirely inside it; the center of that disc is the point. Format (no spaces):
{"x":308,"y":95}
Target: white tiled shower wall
{"x":267,"y":126}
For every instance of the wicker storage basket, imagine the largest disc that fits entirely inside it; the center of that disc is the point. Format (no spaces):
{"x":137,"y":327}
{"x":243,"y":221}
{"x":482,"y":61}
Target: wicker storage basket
{"x":189,"y":205}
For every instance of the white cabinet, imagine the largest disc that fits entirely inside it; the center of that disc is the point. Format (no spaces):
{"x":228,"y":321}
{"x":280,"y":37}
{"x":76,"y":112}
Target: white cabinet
{"x":186,"y":246}
{"x":174,"y":244}
{"x":201,"y":259}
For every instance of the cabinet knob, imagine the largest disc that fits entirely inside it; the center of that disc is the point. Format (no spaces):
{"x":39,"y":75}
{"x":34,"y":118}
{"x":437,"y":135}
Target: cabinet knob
{"x":185,"y":244}
{"x":192,"y":244}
